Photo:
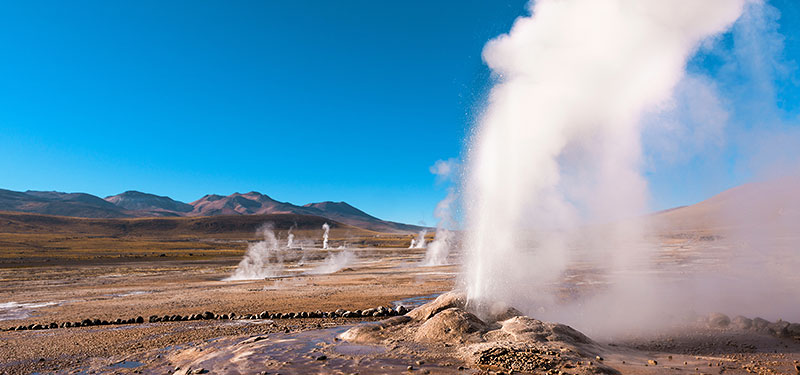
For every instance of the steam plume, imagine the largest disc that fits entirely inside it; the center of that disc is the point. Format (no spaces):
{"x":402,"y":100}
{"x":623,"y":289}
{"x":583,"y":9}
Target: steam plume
{"x":262,"y":259}
{"x":558,"y":147}
{"x":439,"y":249}
{"x":334,"y":262}
{"x":290,"y":239}
{"x":326,"y":228}
{"x":419,"y":242}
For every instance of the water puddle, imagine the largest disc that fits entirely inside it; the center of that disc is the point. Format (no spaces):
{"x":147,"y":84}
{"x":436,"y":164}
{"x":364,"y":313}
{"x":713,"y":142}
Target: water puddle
{"x":15,"y":310}
{"x":414,"y":302}
{"x":126,"y":364}
{"x":310,"y":352}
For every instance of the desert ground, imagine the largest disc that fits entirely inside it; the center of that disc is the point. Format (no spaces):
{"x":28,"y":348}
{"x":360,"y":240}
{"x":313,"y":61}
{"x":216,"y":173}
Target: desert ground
{"x":158,"y":304}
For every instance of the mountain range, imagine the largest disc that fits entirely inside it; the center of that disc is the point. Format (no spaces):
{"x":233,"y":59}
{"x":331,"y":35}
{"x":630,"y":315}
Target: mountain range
{"x":131,"y":204}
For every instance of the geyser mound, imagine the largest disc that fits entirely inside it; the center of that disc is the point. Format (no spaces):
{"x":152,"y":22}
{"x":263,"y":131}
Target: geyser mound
{"x":505,"y":340}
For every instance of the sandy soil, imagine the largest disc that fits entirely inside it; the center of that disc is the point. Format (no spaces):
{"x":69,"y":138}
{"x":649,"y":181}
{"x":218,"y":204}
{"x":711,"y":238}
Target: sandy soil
{"x":379,"y":277}
{"x":129,"y":290}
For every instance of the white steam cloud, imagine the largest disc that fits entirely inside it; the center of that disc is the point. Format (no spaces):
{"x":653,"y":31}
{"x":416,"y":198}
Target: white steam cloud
{"x":262,"y":259}
{"x":554,"y":171}
{"x":290,"y":239}
{"x":334,"y":262}
{"x":439,"y":248}
{"x":326,"y":230}
{"x":419,"y":242}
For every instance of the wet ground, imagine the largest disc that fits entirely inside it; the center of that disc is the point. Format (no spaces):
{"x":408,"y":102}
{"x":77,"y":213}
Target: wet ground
{"x":377,"y":277}
{"x":125,"y":290}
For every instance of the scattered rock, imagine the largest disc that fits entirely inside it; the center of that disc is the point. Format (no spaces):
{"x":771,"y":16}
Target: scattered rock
{"x":718,"y":320}
{"x":760,"y":324}
{"x":779,"y":328}
{"x":742,"y":322}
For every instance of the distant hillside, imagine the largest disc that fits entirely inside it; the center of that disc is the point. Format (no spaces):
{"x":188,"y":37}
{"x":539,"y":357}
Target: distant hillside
{"x":229,"y":225}
{"x":346,"y":213}
{"x":138,"y":204}
{"x":254,"y":203}
{"x":251,"y":203}
{"x":138,"y":201}
{"x":62,"y":204}
{"x":774,"y":204}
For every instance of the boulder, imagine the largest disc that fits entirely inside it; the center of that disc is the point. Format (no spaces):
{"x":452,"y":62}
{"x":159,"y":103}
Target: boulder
{"x":742,"y":322}
{"x":793,"y":329}
{"x":760,"y":324}
{"x":718,"y":320}
{"x":779,"y":328}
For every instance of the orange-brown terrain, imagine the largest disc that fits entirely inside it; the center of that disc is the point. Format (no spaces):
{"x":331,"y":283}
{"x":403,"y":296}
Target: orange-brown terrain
{"x":72,"y":290}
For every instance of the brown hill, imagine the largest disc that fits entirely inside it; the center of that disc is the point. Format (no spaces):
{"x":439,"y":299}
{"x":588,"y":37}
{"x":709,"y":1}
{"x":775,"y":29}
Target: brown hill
{"x":149,"y":203}
{"x":244,"y":226}
{"x":138,"y":204}
{"x":346,"y":213}
{"x":55,"y":203}
{"x":773,"y":204}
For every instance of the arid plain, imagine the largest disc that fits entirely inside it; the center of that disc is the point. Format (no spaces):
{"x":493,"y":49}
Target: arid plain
{"x":149,"y":296}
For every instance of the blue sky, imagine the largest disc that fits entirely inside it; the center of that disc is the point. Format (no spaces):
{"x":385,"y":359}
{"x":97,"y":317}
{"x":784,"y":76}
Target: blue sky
{"x":301,"y":100}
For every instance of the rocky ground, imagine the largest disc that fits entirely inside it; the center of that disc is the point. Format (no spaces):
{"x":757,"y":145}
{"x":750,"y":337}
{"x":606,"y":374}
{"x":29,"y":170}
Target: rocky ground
{"x":176,"y":316}
{"x":54,"y":295}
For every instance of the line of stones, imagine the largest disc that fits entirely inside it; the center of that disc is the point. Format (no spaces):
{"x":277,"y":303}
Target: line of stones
{"x":380,"y":311}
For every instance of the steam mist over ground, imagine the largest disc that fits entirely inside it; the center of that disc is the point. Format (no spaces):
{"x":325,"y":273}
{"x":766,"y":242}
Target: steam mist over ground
{"x":267,"y":258}
{"x":554,"y":192}
{"x":262,"y":259}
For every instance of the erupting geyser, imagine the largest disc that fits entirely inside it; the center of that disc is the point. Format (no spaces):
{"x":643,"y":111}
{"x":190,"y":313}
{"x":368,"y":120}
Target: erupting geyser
{"x":554,"y":171}
{"x":290,"y":239}
{"x":419,"y":242}
{"x":439,"y":248}
{"x":326,"y":230}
